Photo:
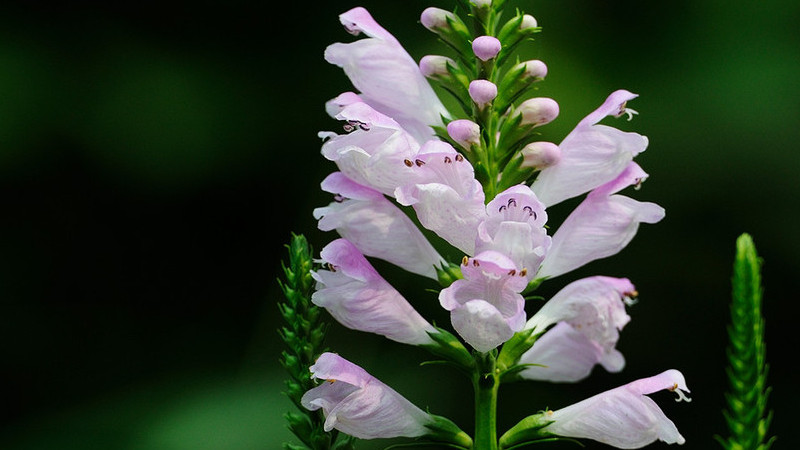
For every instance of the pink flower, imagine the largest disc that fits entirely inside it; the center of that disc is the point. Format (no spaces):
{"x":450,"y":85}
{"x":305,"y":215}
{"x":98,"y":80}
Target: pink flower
{"x":602,"y":225}
{"x":591,"y":155}
{"x":387,"y":77}
{"x":356,"y":403}
{"x":376,"y":226}
{"x":486,"y":307}
{"x":446,"y":196}
{"x":374,"y":149}
{"x":588,"y":315}
{"x":514,"y":226}
{"x":359,"y":298}
{"x":623,"y":417}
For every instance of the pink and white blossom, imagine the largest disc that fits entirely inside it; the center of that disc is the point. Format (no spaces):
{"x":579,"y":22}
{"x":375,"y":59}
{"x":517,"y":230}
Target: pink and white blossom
{"x":353,"y":292}
{"x":514,"y":226}
{"x":356,"y":403}
{"x":373,"y":152}
{"x":376,"y":226}
{"x":445,"y":195}
{"x":486,"y":307}
{"x":588,"y":315}
{"x":602,"y":225}
{"x":623,"y":417}
{"x":386,"y":76}
{"x":591,"y":155}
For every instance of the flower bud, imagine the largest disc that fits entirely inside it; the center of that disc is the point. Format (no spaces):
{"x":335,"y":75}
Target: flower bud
{"x":538,"y":111}
{"x":435,"y":66}
{"x":486,"y":47}
{"x":540,"y":155}
{"x":466,"y":132}
{"x":482,"y":92}
{"x":481,"y":3}
{"x":534,"y":69}
{"x":435,"y":19}
{"x":528,"y":21}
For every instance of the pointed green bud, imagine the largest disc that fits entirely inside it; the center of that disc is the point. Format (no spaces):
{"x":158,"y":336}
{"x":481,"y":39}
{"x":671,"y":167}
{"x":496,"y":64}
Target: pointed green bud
{"x":447,"y":346}
{"x":514,"y":348}
{"x":445,"y":431}
{"x":528,"y":430}
{"x":449,"y":273}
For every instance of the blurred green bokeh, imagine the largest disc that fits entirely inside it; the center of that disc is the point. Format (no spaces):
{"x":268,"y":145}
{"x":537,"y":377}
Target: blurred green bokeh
{"x":154,"y":160}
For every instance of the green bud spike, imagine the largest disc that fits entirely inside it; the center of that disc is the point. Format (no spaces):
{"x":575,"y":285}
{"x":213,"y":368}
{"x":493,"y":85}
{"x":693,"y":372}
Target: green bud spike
{"x":747,"y":418}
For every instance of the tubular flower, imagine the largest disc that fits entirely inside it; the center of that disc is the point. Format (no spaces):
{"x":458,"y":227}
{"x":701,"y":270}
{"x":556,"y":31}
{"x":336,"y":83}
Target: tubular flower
{"x":446,"y":196}
{"x":387,"y":77}
{"x":486,"y":307}
{"x":623,"y":417}
{"x":376,"y":226}
{"x":588,"y":315}
{"x":591,"y":155}
{"x":356,"y":403}
{"x":515,"y":227}
{"x":602,"y":225}
{"x":359,"y":298}
{"x":373,"y":150}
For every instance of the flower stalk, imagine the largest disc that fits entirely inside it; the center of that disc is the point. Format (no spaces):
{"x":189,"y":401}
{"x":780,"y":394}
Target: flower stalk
{"x":486,"y":383}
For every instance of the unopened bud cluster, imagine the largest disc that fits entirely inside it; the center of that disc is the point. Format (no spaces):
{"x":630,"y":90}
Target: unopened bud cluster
{"x":492,"y":92}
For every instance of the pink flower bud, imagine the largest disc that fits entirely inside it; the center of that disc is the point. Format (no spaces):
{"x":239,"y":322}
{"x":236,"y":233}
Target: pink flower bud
{"x":481,"y":3}
{"x":540,"y":155}
{"x":433,"y":66}
{"x":486,"y":47}
{"x":528,"y":21}
{"x":538,"y":111}
{"x":482,"y":92}
{"x":435,"y":19}
{"x":534,"y":69}
{"x":466,"y":132}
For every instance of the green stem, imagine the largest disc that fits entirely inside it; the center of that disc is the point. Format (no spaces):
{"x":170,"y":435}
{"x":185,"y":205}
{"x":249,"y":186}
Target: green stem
{"x":486,"y":384}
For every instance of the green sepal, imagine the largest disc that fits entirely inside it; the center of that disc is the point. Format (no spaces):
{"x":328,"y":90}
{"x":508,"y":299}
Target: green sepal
{"x":512,"y":86}
{"x":513,"y":173}
{"x":442,"y":430}
{"x":448,"y":273}
{"x":458,"y":37}
{"x":513,"y":349}
{"x":527,"y":431}
{"x":449,"y":347}
{"x":510,"y":35}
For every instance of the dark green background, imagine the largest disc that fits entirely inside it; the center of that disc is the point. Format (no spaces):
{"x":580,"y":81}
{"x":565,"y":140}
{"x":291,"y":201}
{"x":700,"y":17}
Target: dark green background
{"x":154,"y":160}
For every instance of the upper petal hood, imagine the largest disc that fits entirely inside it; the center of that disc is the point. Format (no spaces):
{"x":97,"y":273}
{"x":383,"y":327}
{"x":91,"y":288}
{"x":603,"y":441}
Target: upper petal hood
{"x":387,"y":78}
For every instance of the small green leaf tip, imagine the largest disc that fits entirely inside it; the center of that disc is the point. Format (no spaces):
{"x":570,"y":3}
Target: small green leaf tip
{"x":303,"y":333}
{"x":746,"y":416}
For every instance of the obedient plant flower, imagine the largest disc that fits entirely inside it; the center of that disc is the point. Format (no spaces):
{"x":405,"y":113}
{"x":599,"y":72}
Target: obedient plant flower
{"x":623,"y":417}
{"x":465,"y":132}
{"x":514,"y":226}
{"x":379,"y":61}
{"x":359,"y":298}
{"x":376,"y":226}
{"x":602,"y":225}
{"x":373,"y":151}
{"x":356,"y":403}
{"x":482,"y":92}
{"x":591,"y":155}
{"x":588,"y":315}
{"x":445,"y":195}
{"x":538,"y":111}
{"x":486,"y":307}
{"x":486,"y":47}
{"x":540,"y":155}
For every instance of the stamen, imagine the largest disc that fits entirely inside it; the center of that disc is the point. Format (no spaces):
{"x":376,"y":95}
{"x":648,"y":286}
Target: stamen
{"x":465,"y":260}
{"x":348,"y":127}
{"x":523,"y":272}
{"x":459,"y":157}
{"x":447,"y":160}
{"x":682,"y":397}
{"x":331,"y":267}
{"x":512,"y":272}
{"x":502,"y":208}
{"x":364,"y":126}
{"x":419,"y":162}
{"x":512,"y":201}
{"x":408,"y":163}
{"x":338,"y":198}
{"x":476,"y":263}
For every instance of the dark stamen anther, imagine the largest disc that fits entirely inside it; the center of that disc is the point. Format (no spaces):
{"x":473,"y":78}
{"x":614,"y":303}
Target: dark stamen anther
{"x":408,"y":163}
{"x":465,"y":260}
{"x":419,"y":162}
{"x":511,"y":202}
{"x":447,"y":160}
{"x":459,"y":157}
{"x":512,"y":272}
